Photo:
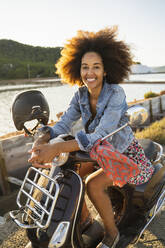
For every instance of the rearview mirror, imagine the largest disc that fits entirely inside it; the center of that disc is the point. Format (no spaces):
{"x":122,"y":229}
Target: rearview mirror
{"x":137,"y":115}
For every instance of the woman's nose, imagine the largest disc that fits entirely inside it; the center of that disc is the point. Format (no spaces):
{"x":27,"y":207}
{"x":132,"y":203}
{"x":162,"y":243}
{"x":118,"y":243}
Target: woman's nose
{"x":90,"y":71}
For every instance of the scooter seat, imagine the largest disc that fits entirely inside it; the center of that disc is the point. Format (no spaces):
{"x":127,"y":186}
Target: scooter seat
{"x":82,"y":156}
{"x":149,"y":147}
{"x":145,"y":195}
{"x":142,"y":187}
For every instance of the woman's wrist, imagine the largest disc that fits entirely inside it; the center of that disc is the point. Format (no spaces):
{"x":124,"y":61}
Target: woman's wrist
{"x":57,"y":147}
{"x":66,"y":146}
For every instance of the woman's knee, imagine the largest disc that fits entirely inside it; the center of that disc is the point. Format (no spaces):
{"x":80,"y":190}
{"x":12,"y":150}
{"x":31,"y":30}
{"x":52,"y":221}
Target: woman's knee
{"x":90,"y":184}
{"x":93,"y":184}
{"x":97,"y":182}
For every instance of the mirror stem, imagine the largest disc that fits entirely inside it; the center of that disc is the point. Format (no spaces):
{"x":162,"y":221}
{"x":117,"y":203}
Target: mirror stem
{"x":117,"y":130}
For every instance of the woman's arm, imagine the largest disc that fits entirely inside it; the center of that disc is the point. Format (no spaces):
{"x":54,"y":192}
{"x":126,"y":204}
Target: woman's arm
{"x":45,"y":153}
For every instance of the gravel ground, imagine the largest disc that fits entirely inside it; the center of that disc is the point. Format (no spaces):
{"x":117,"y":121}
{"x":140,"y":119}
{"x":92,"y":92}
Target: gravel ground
{"x":13,"y":237}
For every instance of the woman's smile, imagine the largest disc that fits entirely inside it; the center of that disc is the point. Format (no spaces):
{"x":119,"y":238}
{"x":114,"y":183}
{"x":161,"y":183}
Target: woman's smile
{"x":92,"y":71}
{"x":90,"y":79}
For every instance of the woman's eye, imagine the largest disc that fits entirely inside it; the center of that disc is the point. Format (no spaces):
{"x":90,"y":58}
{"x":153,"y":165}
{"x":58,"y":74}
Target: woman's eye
{"x":84,"y":67}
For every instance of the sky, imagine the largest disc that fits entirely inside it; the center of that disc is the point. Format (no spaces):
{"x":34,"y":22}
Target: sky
{"x":50,"y":23}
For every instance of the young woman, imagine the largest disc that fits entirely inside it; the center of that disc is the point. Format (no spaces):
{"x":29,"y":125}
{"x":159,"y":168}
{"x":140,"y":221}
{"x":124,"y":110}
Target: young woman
{"x":97,"y":62}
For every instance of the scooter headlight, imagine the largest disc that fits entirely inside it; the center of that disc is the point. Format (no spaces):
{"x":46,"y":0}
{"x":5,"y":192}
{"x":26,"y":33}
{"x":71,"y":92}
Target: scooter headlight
{"x":63,"y":157}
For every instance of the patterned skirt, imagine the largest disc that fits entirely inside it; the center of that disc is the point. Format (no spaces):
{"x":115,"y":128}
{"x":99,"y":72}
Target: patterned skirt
{"x":136,"y":153}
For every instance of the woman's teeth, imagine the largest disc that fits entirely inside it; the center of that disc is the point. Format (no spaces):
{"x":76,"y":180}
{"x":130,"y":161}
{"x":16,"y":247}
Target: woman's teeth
{"x":90,"y":79}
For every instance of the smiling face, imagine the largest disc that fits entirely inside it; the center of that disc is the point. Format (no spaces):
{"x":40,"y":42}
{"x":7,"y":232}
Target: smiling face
{"x":92,"y":71}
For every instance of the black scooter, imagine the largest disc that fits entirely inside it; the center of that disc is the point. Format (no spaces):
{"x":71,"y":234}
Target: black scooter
{"x":50,"y":200}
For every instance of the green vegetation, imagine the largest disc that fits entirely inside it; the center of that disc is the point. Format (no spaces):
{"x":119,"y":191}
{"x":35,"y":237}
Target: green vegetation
{"x":23,"y":61}
{"x":155,"y":132}
{"x":150,"y":94}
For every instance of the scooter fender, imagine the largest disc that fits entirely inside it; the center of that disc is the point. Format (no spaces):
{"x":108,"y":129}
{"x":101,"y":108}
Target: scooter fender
{"x":62,"y":231}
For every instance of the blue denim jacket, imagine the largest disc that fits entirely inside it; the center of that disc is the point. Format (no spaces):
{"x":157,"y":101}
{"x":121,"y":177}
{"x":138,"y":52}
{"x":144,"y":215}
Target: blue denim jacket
{"x":111,"y":108}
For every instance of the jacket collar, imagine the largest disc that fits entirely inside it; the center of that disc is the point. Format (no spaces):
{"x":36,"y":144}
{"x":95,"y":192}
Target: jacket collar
{"x":104,"y":96}
{"x":83,"y":92}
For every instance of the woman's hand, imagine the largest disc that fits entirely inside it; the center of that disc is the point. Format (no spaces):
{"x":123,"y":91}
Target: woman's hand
{"x":43,"y":139}
{"x":42,"y":155}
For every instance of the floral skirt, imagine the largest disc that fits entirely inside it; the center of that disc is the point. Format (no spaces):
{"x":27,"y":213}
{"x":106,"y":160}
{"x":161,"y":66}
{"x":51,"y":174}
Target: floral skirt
{"x":136,"y":153}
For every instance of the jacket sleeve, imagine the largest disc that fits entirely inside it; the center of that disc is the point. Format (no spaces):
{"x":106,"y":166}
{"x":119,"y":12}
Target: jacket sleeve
{"x":109,"y":121}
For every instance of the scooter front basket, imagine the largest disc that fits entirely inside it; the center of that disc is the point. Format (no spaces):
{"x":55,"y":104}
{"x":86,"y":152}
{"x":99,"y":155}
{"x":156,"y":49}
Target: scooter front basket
{"x":36,"y":199}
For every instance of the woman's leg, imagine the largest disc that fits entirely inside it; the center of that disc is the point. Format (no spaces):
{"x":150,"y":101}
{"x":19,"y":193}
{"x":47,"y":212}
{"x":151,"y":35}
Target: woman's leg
{"x":96,"y":184}
{"x":85,"y":169}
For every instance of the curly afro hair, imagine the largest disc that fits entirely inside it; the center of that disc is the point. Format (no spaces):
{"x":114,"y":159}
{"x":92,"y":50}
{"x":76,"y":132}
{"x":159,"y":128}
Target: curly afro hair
{"x":115,"y":55}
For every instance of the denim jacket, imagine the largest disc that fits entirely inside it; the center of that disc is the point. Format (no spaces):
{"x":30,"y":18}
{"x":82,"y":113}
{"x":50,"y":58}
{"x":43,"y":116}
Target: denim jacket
{"x":111,"y":108}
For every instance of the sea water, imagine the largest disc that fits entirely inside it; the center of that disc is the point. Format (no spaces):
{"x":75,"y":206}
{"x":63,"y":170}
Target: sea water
{"x":59,"y":97}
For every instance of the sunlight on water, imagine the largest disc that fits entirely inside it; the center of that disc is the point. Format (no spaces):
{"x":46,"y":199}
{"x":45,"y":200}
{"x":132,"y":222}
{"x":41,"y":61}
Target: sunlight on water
{"x":159,"y":77}
{"x":59,"y":97}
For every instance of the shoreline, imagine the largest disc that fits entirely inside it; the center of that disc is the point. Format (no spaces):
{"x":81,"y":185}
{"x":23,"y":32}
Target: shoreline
{"x":53,"y":81}
{"x":143,"y":82}
{"x":28,"y":81}
{"x":27,"y":84}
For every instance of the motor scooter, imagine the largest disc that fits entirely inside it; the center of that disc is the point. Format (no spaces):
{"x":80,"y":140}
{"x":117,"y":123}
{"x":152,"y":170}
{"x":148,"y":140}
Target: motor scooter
{"x":50,"y":200}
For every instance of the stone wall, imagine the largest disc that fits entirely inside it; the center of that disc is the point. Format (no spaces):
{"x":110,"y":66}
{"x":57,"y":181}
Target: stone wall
{"x":155,"y":107}
{"x":13,"y":159}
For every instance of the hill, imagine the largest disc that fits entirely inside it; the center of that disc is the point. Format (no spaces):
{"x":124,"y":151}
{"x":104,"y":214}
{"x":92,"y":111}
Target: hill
{"x":160,"y":69}
{"x":23,"y":61}
{"x":143,"y":69}
{"x":140,"y":69}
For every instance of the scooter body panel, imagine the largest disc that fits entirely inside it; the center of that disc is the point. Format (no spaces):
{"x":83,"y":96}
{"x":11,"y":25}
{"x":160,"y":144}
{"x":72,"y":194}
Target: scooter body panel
{"x":62,"y":229}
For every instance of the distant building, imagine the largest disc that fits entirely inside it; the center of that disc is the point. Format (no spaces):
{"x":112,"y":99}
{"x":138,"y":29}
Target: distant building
{"x":141,"y":69}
